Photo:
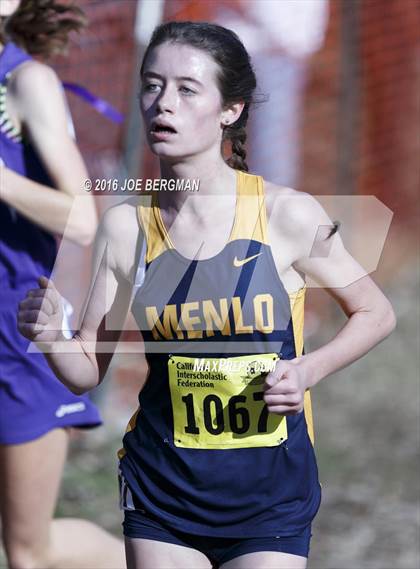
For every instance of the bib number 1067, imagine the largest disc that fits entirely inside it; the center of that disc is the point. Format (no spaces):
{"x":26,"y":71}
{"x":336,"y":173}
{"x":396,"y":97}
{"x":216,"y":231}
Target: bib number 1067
{"x":237,"y":419}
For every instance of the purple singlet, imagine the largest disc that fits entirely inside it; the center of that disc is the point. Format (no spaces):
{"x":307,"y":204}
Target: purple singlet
{"x":32,"y":400}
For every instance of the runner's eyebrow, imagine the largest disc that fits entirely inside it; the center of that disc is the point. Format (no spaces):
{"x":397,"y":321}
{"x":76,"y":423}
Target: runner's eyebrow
{"x":152,"y":74}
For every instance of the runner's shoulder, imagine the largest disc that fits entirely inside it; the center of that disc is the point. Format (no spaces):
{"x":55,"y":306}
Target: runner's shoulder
{"x":297,"y":214}
{"x":32,"y":77}
{"x":119,"y":229}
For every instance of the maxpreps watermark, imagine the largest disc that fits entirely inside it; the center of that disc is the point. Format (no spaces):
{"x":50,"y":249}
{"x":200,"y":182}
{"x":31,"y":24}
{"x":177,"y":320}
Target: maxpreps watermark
{"x":103,"y":185}
{"x":226,"y":365}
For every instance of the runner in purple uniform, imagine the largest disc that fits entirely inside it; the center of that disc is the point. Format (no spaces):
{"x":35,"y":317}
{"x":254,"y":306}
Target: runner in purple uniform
{"x":41,"y":173}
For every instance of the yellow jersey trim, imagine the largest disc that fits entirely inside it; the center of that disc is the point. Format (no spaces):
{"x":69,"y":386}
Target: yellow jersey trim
{"x":131,"y":424}
{"x":250,"y":221}
{"x":297,"y":302}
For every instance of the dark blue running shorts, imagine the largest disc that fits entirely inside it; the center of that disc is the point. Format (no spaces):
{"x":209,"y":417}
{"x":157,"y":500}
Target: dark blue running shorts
{"x":218,"y":549}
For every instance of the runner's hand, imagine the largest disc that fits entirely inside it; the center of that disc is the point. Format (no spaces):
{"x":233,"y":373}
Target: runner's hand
{"x":285,"y":387}
{"x":40,"y":314}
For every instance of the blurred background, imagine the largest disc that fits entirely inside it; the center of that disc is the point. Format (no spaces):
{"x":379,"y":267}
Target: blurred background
{"x":342,"y":119}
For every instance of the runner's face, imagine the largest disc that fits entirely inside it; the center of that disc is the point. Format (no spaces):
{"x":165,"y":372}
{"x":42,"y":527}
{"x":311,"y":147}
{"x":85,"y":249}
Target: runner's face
{"x":179,"y":87}
{"x":7,"y":7}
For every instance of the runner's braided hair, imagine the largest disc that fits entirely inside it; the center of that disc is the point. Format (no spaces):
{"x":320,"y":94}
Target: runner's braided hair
{"x":42,"y":27}
{"x":236,"y":77}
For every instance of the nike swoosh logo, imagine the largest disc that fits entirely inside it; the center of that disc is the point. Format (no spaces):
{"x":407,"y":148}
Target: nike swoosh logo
{"x":239,"y":263}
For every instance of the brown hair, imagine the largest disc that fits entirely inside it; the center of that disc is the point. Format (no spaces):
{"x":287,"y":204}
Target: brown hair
{"x":42,"y":27}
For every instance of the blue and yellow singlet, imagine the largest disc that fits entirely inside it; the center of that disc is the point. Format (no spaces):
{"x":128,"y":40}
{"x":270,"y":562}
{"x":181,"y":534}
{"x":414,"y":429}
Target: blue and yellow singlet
{"x":202,"y":453}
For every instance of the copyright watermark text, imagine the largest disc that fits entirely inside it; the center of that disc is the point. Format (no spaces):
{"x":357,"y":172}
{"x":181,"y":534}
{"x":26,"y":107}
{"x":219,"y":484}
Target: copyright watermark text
{"x":103,"y":185}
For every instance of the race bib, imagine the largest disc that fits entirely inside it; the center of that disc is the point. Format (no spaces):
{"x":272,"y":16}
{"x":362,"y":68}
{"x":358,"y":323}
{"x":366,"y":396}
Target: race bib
{"x":218,"y":403}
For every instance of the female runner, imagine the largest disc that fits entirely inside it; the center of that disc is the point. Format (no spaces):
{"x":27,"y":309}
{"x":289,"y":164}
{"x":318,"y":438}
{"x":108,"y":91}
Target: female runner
{"x":41,"y":173}
{"x":218,"y":466}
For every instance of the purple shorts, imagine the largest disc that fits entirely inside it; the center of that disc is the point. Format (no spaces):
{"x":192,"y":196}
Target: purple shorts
{"x":32,"y":400}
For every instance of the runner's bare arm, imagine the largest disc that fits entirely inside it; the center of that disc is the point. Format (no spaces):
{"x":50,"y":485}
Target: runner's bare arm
{"x":38,"y":104}
{"x":106,"y":306}
{"x":325,"y":260}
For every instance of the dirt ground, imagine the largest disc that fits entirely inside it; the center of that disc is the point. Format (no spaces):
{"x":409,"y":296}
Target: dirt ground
{"x":367,"y":444}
